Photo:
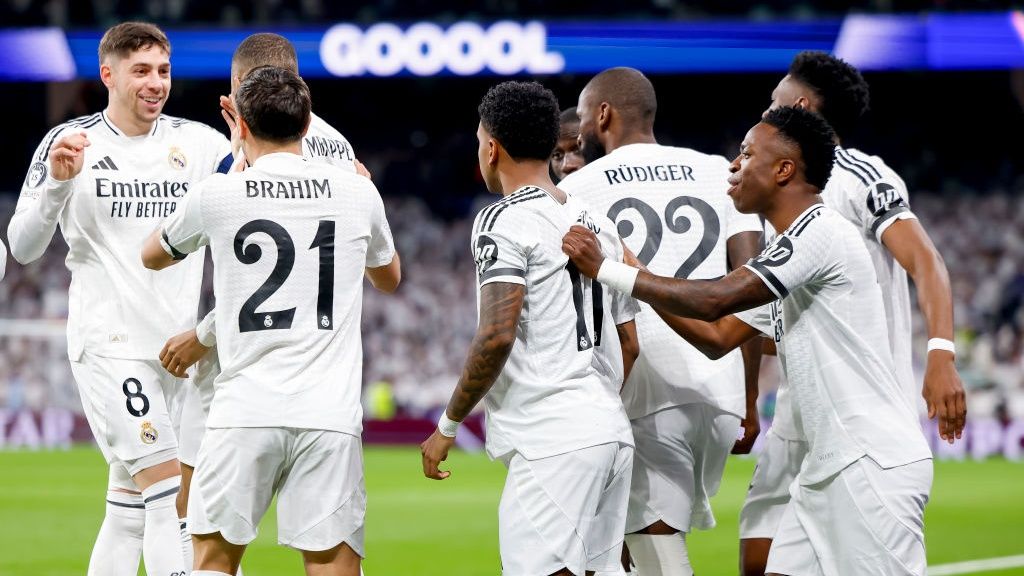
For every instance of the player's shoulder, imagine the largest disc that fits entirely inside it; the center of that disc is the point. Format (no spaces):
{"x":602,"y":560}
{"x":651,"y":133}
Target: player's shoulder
{"x":856,"y":167}
{"x":695,"y":156}
{"x":819,"y":222}
{"x":512,"y":211}
{"x":85,"y":124}
{"x":188,"y":127}
{"x":320,"y":127}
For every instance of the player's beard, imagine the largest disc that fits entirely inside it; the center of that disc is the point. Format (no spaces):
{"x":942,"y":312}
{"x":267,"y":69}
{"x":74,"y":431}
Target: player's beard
{"x":591,"y":148}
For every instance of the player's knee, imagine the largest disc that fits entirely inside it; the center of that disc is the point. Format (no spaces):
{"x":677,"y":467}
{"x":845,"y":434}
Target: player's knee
{"x":341,"y":560}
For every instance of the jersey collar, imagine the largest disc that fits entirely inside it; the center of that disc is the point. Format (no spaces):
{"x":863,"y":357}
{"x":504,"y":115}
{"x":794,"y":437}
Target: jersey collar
{"x":109,"y":124}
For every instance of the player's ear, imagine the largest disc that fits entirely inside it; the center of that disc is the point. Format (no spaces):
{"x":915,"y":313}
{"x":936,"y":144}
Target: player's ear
{"x":107,"y":73}
{"x":785,"y":170}
{"x":493,"y":151}
{"x":604,"y":116}
{"x":243,"y":129}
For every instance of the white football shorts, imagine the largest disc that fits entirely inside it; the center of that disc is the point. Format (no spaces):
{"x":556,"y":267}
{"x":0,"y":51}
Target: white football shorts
{"x":680,"y":456}
{"x":317,"y":476}
{"x":132,"y":407}
{"x":777,"y":467}
{"x":196,"y":408}
{"x":565,"y":511}
{"x":864,"y":521}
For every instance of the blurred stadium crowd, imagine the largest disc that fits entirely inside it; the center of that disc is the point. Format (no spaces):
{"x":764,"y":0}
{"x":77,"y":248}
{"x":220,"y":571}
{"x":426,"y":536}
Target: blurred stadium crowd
{"x":417,"y":341}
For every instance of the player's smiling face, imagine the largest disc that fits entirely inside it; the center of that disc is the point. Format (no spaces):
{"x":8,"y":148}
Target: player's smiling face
{"x":140,"y":83}
{"x":753,"y":178}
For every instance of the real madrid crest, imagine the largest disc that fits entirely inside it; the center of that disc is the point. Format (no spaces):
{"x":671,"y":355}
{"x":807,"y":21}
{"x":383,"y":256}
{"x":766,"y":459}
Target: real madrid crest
{"x":148,"y":434}
{"x":176,"y":158}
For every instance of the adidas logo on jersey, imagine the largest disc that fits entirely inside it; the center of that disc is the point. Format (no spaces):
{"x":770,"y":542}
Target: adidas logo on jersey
{"x":105,"y":164}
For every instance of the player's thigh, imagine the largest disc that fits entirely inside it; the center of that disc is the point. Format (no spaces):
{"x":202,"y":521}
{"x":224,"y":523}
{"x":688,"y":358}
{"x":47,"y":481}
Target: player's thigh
{"x":663,"y":484}
{"x":791,"y":551}
{"x":768,"y":495}
{"x":550,"y":509}
{"x":321,"y":501}
{"x":236,"y":474}
{"x":125,"y":405}
{"x":192,"y":427}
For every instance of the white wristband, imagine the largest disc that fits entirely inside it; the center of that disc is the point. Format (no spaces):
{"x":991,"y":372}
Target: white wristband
{"x":446,"y":426}
{"x":941,"y":344}
{"x":617,"y":276}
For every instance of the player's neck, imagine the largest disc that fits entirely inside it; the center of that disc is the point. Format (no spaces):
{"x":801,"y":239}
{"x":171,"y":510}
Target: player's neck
{"x":784,"y":213}
{"x":529,"y":173}
{"x":614,"y":141}
{"x":123,"y":121}
{"x":254,"y":149}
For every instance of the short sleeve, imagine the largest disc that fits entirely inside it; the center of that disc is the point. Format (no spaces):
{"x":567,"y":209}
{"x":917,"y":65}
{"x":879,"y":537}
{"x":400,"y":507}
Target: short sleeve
{"x":182,"y":232}
{"x":498,"y":250}
{"x":878,"y":197}
{"x":381,"y":250}
{"x":759,"y":318}
{"x":796,"y":258}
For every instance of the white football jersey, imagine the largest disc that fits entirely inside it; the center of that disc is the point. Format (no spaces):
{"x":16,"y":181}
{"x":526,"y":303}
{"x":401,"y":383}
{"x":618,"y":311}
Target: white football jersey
{"x":549,"y":398}
{"x":833,"y":344}
{"x":872,"y":197}
{"x":672,"y":210}
{"x":116,"y":307}
{"x":622,"y":308}
{"x":290,"y":240}
{"x":325,"y":144}
{"x":3,"y":260}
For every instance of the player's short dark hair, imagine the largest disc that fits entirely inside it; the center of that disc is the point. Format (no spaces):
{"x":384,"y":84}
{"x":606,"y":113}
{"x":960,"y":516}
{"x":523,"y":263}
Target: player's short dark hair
{"x":264,"y":49}
{"x":128,"y":37}
{"x":629,"y":92}
{"x":812,"y":135}
{"x":523,"y":117}
{"x":569,"y":116}
{"x":274,"y":103}
{"x":844,"y":92}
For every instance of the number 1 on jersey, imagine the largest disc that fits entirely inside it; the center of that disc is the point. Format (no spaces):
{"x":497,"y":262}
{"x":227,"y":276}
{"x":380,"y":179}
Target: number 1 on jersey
{"x":582,"y":337}
{"x":249,"y":320}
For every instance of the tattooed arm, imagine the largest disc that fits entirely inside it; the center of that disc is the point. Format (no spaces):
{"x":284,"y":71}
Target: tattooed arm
{"x":500,"y":305}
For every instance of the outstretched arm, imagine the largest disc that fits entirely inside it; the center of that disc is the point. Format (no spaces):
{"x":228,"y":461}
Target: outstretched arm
{"x":913,"y":249}
{"x":500,"y":306}
{"x":701,"y":299}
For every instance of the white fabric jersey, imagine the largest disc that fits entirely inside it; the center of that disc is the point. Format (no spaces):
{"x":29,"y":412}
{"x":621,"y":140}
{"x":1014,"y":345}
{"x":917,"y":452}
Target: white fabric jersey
{"x":832,"y":342}
{"x":872,"y":197}
{"x":673,"y":212}
{"x":116,"y":307}
{"x":325,"y":144}
{"x":3,"y":259}
{"x":290,"y":240}
{"x":622,"y":309}
{"x":549,"y":398}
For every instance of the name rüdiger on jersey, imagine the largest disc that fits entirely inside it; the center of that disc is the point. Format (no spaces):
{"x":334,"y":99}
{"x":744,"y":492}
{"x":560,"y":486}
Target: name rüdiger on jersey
{"x":659,"y":173}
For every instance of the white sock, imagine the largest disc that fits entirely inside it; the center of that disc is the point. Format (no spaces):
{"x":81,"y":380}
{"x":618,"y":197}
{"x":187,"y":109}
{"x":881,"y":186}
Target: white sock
{"x":161,"y":546}
{"x":119,"y":544}
{"x":659,"y":554}
{"x":186,"y":542}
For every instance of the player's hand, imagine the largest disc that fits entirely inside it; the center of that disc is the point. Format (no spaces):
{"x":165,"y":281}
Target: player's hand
{"x":751,"y":425}
{"x":584,"y":249}
{"x":230,"y":114}
{"x":944,"y":394}
{"x":362,"y":170}
{"x":181,"y":352}
{"x":67,"y":156}
{"x":435,"y":451}
{"x":630,"y":259}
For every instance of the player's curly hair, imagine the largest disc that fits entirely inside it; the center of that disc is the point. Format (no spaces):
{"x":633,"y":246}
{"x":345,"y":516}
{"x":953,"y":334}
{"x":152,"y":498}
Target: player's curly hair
{"x":844,"y":92}
{"x":523,"y":117}
{"x":812,"y":135}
